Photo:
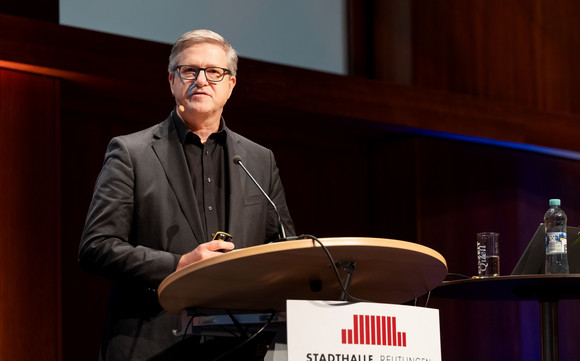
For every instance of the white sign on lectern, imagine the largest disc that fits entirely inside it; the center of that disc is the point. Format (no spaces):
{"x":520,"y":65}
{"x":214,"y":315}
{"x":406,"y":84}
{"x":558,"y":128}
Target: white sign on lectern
{"x":342,"y":331}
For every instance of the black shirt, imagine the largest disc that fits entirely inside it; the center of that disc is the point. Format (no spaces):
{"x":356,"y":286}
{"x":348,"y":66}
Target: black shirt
{"x":208,"y":170}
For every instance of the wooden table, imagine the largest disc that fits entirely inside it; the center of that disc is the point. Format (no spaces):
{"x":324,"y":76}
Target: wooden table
{"x":263,"y":277}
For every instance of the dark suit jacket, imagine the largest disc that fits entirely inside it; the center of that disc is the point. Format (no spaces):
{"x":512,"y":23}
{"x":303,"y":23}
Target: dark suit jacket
{"x":143,"y":217}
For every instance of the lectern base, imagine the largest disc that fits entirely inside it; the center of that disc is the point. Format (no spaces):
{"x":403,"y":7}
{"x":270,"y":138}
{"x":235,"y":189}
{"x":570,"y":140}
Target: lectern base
{"x":215,"y":335}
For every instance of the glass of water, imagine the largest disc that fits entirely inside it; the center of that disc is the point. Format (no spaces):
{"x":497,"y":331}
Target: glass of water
{"x":487,"y":254}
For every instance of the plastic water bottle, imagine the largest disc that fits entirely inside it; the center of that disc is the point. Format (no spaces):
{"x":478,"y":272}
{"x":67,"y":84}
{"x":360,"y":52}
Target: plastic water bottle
{"x":556,"y":239}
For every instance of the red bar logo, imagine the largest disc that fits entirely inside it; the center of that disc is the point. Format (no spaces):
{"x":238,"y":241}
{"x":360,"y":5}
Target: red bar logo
{"x":374,"y":330}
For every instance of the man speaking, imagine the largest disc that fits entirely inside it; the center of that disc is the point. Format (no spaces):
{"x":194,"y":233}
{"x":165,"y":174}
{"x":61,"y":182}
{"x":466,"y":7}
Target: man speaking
{"x":165,"y":191}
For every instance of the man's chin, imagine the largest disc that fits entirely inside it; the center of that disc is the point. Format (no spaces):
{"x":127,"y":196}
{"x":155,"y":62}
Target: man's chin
{"x":200,"y":110}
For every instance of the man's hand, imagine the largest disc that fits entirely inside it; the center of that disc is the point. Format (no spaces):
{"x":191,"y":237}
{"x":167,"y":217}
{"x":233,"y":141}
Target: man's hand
{"x":203,"y":251}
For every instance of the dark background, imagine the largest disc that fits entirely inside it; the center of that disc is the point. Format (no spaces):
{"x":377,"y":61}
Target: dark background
{"x":398,"y":149}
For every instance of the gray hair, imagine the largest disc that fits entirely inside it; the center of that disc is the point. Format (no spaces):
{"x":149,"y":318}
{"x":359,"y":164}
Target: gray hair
{"x":202,"y":36}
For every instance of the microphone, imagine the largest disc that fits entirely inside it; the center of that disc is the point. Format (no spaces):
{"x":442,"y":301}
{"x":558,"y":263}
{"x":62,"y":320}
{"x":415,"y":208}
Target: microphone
{"x":191,"y":89}
{"x":281,"y":232}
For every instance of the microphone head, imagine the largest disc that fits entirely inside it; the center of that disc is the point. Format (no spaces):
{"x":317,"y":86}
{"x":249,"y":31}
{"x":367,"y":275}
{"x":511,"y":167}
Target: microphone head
{"x":237,"y":159}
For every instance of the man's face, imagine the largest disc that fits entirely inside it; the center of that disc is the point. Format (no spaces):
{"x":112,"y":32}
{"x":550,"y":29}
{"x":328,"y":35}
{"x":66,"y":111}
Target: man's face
{"x":201,"y":97}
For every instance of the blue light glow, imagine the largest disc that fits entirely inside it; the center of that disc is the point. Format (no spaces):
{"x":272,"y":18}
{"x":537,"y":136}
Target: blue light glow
{"x":568,"y":154}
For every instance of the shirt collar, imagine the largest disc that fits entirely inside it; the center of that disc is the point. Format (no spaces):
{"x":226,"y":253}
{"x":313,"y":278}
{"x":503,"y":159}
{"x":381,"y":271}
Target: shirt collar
{"x":183,"y":131}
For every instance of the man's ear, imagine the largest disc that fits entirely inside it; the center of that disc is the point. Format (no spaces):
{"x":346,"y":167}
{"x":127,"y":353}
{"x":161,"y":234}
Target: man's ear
{"x":171,"y":82}
{"x":232,"y":85}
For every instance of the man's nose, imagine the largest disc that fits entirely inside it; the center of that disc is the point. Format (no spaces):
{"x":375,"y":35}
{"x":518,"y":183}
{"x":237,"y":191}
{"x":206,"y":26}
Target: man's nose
{"x":201,"y":78}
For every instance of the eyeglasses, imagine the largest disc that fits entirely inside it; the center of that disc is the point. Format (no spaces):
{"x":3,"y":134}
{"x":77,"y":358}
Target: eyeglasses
{"x":213,"y":73}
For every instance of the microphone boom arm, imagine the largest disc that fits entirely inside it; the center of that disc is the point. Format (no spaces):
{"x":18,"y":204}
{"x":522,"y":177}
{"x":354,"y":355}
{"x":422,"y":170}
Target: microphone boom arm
{"x":281,"y":231}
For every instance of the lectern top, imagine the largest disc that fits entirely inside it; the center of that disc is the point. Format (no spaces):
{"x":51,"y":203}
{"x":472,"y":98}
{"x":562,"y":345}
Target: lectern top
{"x":263,"y":277}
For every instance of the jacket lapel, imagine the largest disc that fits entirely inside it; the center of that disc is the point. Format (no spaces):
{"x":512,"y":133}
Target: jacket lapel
{"x":237,"y":181}
{"x":169,"y":151}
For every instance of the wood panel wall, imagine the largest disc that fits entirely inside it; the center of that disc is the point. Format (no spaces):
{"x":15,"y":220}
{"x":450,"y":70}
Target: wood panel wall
{"x":30,"y":283}
{"x":523,"y":51}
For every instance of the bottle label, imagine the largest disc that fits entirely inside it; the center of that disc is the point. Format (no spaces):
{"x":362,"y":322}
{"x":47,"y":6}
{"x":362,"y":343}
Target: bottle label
{"x":556,"y":242}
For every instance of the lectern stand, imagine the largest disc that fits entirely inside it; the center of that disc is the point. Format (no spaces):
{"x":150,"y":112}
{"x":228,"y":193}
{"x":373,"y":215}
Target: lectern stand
{"x":263,"y":277}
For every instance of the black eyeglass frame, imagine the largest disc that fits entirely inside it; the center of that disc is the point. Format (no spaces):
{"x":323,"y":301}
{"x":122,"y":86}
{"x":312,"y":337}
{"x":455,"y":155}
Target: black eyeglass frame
{"x":198,"y":71}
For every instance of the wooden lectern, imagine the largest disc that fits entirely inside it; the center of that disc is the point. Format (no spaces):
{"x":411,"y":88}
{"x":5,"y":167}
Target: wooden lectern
{"x":263,"y":277}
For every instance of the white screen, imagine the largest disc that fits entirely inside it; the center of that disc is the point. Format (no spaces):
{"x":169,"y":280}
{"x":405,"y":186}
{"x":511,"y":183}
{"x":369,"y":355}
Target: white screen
{"x":304,"y":33}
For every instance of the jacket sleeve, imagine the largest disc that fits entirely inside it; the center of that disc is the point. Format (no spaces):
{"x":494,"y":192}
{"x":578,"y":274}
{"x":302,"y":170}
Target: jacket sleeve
{"x":107,"y":246}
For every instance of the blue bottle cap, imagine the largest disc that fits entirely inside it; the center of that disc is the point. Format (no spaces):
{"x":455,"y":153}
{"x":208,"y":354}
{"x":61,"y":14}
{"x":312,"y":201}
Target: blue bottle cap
{"x":554,"y":202}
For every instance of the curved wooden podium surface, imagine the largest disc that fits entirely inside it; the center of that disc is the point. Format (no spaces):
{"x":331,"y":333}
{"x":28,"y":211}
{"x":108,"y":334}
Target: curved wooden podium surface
{"x":263,"y":277}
